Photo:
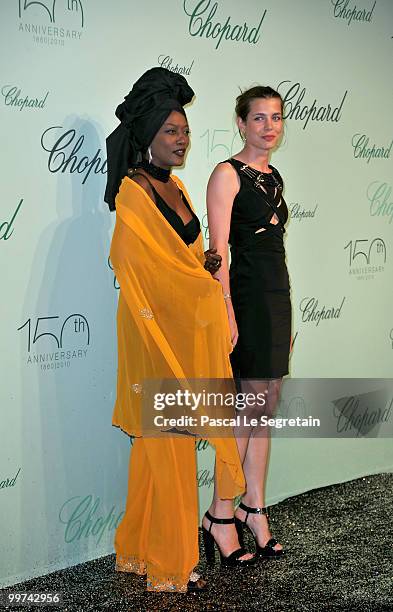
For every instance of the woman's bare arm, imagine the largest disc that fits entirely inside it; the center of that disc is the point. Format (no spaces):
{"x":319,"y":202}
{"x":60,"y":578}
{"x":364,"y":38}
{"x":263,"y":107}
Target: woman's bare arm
{"x":221,"y":191}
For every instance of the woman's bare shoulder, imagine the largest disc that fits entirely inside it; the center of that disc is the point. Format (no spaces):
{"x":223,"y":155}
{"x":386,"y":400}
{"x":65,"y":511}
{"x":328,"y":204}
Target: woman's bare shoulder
{"x":142,"y":181}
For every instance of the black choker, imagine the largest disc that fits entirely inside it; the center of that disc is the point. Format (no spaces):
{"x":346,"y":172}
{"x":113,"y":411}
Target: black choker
{"x":155,"y":171}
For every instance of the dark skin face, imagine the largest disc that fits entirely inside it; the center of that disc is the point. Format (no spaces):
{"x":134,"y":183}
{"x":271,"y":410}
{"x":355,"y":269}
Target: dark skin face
{"x":171,"y":142}
{"x":168,"y":149}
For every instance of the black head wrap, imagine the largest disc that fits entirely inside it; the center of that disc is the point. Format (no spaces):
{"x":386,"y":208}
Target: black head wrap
{"x":153,"y":97}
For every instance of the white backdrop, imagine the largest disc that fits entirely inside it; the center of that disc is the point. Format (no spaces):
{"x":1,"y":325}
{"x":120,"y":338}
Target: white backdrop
{"x":65,"y":65}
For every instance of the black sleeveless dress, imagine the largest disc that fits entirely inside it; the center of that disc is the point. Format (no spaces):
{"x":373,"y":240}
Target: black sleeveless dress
{"x":258,"y":275}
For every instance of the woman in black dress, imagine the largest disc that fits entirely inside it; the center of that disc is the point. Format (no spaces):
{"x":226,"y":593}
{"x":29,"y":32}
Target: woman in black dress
{"x":246,"y":209}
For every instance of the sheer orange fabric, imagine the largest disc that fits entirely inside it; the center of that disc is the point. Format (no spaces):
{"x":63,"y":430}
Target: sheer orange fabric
{"x":172,"y":323}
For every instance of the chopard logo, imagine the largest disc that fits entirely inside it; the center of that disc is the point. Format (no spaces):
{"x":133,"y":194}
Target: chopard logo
{"x":299,"y":213}
{"x":201,"y":23}
{"x":115,"y":283}
{"x":64,"y":154}
{"x":362,"y":413}
{"x":378,"y":194}
{"x":361,"y":149}
{"x":9,"y":482}
{"x":311,"y":313}
{"x":83,"y":518}
{"x":351,"y":13}
{"x":165,"y":61}
{"x":14,"y":97}
{"x":295,"y":109}
{"x":5,"y":227}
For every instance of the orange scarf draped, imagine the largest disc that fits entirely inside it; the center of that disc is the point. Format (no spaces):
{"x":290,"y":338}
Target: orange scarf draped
{"x":172,"y":320}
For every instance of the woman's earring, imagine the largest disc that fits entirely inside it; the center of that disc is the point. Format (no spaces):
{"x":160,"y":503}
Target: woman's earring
{"x":149,"y":155}
{"x":243,"y":137}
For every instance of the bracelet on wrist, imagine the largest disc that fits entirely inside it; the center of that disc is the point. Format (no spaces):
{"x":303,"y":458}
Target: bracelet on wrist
{"x":227,"y":296}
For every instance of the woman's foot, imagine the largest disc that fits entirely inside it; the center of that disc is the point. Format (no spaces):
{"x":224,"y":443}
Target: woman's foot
{"x":225,"y":535}
{"x":259,"y":525}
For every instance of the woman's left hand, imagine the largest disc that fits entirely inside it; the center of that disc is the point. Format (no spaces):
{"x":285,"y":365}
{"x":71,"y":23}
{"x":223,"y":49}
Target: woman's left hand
{"x":213,"y":261}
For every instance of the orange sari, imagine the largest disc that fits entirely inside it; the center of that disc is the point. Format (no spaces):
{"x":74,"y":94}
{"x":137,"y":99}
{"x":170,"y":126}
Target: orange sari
{"x":172,"y":324}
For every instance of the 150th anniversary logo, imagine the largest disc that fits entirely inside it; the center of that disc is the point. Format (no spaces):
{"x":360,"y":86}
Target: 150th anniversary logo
{"x":69,"y":336}
{"x":204,"y":22}
{"x":366,"y":257}
{"x":51,"y":22}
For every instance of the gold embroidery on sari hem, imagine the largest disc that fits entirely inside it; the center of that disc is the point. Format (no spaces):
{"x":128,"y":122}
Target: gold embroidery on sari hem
{"x":172,"y":584}
{"x":130,"y":564}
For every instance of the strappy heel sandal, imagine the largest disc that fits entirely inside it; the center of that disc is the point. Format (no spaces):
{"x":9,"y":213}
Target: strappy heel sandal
{"x":233,"y":560}
{"x":268,"y":551}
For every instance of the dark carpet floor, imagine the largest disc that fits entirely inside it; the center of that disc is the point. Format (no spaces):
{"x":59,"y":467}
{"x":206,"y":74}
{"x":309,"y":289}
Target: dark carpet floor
{"x":339,"y":541}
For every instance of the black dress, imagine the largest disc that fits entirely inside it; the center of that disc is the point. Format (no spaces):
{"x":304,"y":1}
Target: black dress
{"x":258,"y":275}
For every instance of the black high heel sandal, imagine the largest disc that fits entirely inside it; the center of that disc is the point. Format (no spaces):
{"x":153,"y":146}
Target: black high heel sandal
{"x":268,"y":551}
{"x":233,"y":560}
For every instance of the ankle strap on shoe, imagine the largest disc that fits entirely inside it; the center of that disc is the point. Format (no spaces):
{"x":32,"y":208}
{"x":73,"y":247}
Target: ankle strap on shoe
{"x":223,"y":521}
{"x":250,"y":510}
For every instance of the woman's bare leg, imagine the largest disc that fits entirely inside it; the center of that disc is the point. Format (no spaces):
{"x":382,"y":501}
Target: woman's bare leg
{"x":254,"y":452}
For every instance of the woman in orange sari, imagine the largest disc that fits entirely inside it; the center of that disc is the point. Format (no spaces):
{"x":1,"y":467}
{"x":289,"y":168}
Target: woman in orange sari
{"x":171,"y":324}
